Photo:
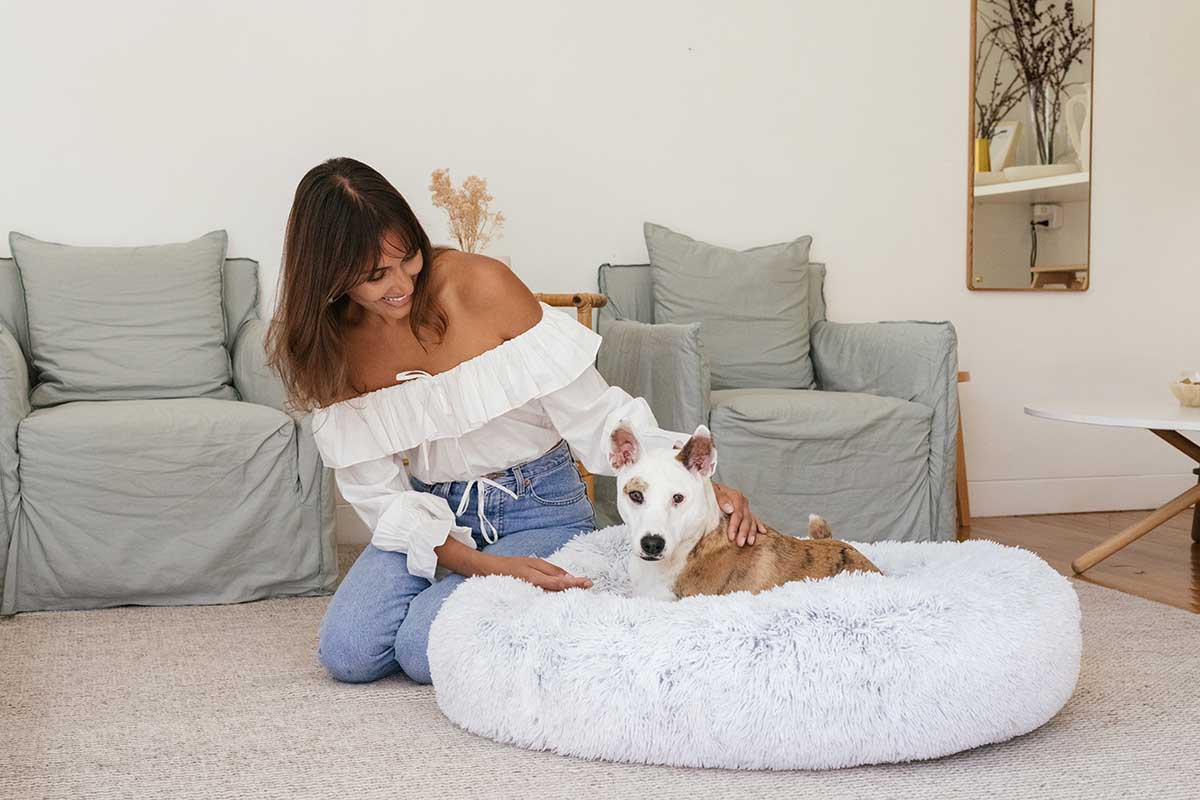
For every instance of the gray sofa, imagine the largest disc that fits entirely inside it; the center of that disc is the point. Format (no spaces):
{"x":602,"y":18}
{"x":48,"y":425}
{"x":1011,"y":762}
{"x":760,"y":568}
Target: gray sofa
{"x":179,"y":501}
{"x":871,"y":449}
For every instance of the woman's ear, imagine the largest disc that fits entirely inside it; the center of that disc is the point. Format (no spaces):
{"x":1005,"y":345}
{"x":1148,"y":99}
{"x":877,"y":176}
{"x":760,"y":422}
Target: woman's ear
{"x":699,"y":453}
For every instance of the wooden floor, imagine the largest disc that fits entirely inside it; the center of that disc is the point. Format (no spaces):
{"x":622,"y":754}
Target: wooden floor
{"x":1164,"y":565}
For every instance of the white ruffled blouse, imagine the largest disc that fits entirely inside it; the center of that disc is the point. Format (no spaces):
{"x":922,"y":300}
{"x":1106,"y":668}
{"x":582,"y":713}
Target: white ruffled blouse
{"x":503,"y":407}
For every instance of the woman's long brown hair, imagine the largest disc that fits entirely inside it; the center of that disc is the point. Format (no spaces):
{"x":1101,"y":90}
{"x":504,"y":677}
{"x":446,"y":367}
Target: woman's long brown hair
{"x":341,"y":215}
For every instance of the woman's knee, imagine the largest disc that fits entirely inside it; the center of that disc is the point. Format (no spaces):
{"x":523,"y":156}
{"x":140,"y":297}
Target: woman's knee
{"x":414,"y":660}
{"x":412,"y":640}
{"x":412,"y":647}
{"x":349,"y":655}
{"x":358,"y":633}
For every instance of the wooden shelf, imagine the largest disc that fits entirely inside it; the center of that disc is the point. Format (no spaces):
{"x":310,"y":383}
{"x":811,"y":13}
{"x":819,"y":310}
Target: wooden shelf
{"x":1069,"y":188}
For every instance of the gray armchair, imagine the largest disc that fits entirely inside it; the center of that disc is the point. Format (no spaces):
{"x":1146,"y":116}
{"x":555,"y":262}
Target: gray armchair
{"x":178,"y":501}
{"x":872,"y":448}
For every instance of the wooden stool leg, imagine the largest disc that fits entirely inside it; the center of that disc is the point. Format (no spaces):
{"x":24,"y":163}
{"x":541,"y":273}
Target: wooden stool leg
{"x":1192,"y":451}
{"x":1135,"y":532}
{"x":1196,"y":514}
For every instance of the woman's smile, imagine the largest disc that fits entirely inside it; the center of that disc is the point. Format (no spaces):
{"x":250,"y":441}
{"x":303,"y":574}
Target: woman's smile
{"x":397,"y":300}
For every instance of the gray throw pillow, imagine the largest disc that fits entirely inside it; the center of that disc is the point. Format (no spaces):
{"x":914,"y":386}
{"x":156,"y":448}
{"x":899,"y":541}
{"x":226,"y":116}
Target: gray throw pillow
{"x":123,"y":323}
{"x":753,"y":305}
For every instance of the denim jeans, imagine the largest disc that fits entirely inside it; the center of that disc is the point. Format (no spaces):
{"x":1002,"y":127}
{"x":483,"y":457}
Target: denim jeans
{"x":378,"y":619}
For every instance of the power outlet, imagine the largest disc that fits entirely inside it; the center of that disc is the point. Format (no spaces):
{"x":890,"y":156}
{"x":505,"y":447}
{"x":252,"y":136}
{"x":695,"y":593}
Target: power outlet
{"x":1048,"y":212}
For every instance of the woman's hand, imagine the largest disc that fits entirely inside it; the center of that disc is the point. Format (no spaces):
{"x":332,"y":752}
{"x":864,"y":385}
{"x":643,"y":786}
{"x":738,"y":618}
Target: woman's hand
{"x":539,"y":572}
{"x":743,"y":526}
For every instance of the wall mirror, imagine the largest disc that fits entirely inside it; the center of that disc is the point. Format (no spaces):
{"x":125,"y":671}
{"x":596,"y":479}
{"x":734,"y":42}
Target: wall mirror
{"x":1029,"y":174}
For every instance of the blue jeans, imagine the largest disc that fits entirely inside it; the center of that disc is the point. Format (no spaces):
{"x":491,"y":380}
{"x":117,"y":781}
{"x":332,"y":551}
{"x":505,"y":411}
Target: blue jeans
{"x":378,"y":620}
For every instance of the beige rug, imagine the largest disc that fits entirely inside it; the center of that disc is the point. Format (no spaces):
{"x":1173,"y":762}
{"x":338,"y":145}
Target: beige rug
{"x":229,"y":702}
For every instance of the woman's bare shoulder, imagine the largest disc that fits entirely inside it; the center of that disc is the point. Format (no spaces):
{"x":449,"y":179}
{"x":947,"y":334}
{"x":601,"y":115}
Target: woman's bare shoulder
{"x":488,"y":292}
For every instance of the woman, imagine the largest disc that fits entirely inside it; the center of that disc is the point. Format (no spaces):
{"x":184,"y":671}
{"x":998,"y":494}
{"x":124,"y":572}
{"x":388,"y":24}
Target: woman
{"x":404,"y":351}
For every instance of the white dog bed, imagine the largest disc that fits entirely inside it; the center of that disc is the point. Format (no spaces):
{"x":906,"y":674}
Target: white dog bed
{"x":955,"y":646}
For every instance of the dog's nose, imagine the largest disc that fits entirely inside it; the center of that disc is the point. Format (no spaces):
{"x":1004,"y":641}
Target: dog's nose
{"x":653,"y":544}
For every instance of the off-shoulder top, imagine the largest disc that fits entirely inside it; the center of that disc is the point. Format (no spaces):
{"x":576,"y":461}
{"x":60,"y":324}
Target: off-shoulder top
{"x":502,"y":407}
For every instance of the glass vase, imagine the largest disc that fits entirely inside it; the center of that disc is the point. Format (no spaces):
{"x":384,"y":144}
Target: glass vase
{"x":1041,"y":111}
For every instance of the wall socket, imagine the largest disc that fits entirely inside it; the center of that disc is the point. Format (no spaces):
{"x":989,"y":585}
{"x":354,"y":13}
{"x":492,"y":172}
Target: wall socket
{"x":1048,"y":212}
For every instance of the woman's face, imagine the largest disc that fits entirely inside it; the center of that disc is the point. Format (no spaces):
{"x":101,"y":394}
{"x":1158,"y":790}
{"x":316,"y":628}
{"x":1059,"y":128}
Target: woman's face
{"x":387,"y":289}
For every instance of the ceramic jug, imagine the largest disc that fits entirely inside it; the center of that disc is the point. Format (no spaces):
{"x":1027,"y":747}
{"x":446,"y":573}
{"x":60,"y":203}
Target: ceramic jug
{"x":1077,"y":114}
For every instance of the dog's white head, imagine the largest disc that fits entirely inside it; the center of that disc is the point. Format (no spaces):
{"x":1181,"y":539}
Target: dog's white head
{"x":665,"y":496}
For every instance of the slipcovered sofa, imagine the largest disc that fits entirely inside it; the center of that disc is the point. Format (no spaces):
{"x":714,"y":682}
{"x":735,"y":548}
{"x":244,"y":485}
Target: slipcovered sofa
{"x":163,"y":499}
{"x":871,"y":448}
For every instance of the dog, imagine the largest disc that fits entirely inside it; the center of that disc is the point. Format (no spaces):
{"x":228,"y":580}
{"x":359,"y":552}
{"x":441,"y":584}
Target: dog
{"x":679,"y":535}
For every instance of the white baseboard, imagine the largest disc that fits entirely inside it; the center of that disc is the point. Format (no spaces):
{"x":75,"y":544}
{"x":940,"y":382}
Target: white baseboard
{"x":1074,"y":495}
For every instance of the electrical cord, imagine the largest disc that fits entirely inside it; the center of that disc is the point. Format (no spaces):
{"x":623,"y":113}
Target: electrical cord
{"x":1033,"y":240}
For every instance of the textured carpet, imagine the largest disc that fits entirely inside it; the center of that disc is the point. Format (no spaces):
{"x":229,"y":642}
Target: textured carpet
{"x":230,"y":702}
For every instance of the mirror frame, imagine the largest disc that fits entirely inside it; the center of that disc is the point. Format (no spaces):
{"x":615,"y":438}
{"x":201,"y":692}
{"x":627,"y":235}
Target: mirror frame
{"x":971,"y":167}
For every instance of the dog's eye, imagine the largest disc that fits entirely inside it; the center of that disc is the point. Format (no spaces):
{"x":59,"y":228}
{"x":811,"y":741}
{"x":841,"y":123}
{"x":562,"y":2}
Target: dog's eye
{"x":678,"y":498}
{"x":636,"y":496}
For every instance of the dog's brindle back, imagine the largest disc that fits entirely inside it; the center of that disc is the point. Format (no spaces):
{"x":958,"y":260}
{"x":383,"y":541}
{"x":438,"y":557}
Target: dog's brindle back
{"x":718,"y":566}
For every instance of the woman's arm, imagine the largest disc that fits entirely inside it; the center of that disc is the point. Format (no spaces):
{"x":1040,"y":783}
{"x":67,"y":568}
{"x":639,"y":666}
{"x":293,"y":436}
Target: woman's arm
{"x":422,"y":526}
{"x":541,"y":573}
{"x":587,"y":410}
{"x":458,"y":557}
{"x":400,"y":518}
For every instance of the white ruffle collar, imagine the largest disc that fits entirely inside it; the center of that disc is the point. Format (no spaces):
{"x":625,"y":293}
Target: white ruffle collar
{"x":536,"y":362}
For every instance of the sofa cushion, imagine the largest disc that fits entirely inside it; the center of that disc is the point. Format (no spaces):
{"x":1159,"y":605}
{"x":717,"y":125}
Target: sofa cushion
{"x":753,"y":304}
{"x":630,"y":292}
{"x":859,"y":460}
{"x":157,"y":501}
{"x":120,"y":323}
{"x":665,"y":364}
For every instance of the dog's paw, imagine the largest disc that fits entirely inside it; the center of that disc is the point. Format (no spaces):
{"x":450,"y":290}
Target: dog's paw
{"x":818,"y":528}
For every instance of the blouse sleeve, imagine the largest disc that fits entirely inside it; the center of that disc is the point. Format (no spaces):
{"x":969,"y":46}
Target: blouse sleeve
{"x":586,"y":411}
{"x":401,"y":519}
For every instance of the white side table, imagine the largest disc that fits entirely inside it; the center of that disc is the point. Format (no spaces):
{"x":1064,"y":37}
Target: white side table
{"x":1165,"y":420}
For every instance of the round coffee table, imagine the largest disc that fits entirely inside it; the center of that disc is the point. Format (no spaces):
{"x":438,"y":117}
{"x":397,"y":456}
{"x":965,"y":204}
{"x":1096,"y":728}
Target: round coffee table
{"x":1165,"y":420}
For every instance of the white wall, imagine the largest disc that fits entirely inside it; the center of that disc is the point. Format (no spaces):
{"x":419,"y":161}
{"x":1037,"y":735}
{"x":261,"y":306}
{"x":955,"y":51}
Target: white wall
{"x":133,"y":122}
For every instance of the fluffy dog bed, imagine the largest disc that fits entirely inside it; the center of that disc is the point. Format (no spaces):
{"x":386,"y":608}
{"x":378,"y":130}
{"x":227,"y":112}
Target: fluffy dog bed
{"x":955,"y":646}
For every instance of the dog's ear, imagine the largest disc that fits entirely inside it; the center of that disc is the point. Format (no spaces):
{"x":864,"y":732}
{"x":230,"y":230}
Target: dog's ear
{"x":699,"y":454}
{"x":624,"y":448}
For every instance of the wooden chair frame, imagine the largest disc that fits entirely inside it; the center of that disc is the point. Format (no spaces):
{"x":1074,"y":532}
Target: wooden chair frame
{"x":583,"y":303}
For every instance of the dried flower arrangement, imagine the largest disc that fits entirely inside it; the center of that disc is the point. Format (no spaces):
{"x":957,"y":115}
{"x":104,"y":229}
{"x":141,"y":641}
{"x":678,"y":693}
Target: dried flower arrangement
{"x":1042,"y":42}
{"x":992,"y":110}
{"x":472,"y":225}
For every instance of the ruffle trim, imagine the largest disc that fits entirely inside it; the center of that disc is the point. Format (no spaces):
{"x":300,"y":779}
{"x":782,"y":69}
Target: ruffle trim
{"x":415,"y":525}
{"x":541,"y":360}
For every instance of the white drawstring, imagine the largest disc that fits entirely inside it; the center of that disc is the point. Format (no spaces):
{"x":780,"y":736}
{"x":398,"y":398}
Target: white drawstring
{"x":477,"y":483}
{"x":484,"y":525}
